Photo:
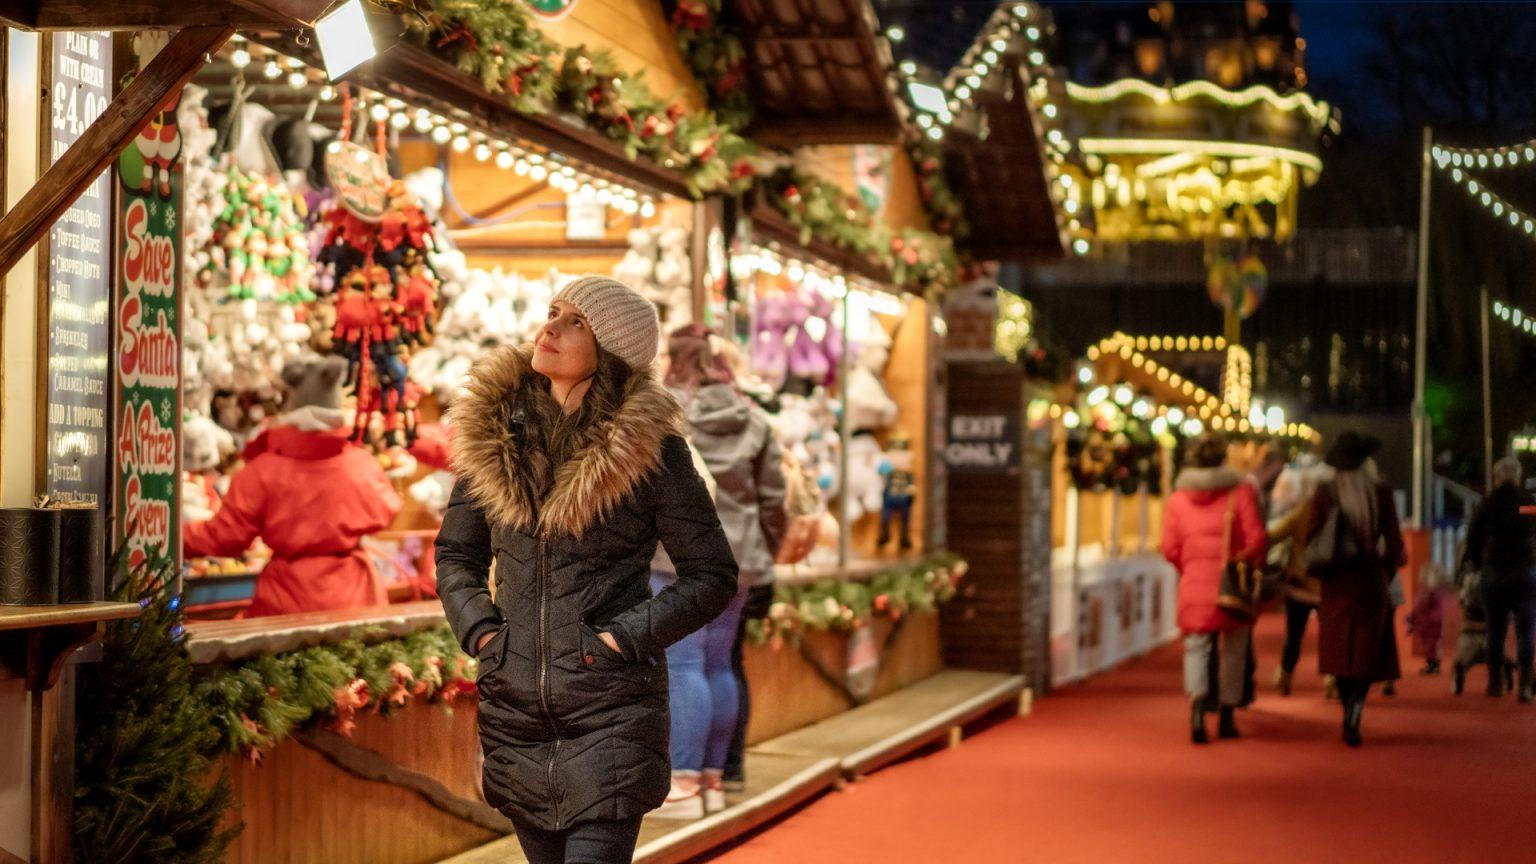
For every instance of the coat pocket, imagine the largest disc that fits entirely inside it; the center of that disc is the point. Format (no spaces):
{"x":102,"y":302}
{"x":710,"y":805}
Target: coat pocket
{"x":491,"y":658}
{"x":596,"y":654}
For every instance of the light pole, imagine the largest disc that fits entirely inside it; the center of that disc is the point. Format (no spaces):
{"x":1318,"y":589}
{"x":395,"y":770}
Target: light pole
{"x":1423,"y":441}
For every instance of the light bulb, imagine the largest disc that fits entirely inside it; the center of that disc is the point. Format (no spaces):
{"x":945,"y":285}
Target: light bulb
{"x":520,"y":167}
{"x":378,"y":112}
{"x":399,"y":120}
{"x":538,"y":172}
{"x":298,"y":80}
{"x":327,"y":93}
{"x":648,"y":209}
{"x":460,"y":144}
{"x":440,"y":134}
{"x":272,"y":71}
{"x":482,"y":152}
{"x":423,"y":121}
{"x":505,"y":159}
{"x":240,"y":58}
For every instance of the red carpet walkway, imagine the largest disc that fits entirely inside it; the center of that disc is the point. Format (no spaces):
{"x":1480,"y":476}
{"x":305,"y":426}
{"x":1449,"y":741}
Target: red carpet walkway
{"x":1104,"y":773}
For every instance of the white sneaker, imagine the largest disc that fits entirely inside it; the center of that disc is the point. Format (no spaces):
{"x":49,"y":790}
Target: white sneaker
{"x":714,"y":800}
{"x":681,"y":804}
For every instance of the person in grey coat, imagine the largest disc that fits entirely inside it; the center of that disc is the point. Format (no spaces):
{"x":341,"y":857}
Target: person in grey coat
{"x":734,"y":438}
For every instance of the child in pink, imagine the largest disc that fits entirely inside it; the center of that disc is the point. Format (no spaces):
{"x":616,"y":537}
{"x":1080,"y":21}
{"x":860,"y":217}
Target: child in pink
{"x":1427,"y":621}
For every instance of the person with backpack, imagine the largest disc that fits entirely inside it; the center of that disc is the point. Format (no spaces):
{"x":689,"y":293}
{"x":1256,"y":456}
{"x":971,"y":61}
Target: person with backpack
{"x":1355,"y":545}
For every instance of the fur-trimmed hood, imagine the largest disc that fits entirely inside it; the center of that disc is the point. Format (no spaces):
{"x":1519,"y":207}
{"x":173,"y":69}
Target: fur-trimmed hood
{"x":1207,"y":479}
{"x":608,"y":464}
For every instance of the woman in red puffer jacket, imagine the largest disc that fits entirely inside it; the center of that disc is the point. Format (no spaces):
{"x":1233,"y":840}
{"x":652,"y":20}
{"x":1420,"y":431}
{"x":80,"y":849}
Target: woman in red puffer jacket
{"x":1209,"y":497}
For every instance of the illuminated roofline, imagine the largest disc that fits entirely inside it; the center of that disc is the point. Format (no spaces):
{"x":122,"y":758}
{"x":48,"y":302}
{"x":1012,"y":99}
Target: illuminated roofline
{"x":1317,"y":111}
{"x":1229,"y":149}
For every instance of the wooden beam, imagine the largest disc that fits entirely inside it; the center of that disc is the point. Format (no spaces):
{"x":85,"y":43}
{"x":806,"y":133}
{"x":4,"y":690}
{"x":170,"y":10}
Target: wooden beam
{"x":127,"y":15}
{"x":99,"y":147}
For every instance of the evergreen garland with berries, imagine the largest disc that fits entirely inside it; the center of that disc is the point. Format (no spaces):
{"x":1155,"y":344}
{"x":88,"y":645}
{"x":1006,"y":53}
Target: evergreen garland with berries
{"x":844,"y":605}
{"x":257,"y":703}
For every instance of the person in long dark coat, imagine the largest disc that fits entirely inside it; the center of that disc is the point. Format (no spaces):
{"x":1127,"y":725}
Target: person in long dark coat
{"x":1499,"y":546}
{"x":1357,"y":642}
{"x":571,"y":468}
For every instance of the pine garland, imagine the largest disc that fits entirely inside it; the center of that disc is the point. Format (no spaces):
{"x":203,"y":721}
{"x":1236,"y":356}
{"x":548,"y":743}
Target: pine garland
{"x":716,"y":56}
{"x":499,"y":43}
{"x":918,"y":260}
{"x":145,"y":785}
{"x":258,"y":703}
{"x":842,"y":605}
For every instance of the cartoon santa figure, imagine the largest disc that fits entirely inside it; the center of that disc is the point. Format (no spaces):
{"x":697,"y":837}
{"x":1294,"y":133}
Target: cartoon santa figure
{"x":159,"y":142}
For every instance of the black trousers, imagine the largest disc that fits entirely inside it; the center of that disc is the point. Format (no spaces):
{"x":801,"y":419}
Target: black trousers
{"x":584,"y":843}
{"x":759,"y":599}
{"x":1296,"y":615}
{"x":1507,"y":600}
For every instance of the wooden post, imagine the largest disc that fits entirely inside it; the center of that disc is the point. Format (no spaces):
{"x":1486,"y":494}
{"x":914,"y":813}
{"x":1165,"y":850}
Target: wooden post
{"x":69,"y":177}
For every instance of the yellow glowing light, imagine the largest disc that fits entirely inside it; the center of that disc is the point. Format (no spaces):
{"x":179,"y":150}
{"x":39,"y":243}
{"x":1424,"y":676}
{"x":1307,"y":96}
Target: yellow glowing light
{"x":1227,"y":149}
{"x":1314,"y":109}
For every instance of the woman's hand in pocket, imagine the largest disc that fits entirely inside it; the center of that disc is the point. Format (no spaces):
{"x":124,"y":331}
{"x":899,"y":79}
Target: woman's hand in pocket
{"x":612,"y":643}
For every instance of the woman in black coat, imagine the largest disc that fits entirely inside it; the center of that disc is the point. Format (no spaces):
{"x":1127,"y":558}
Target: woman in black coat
{"x":1357,"y":642}
{"x":571,"y":469}
{"x":1499,"y":546}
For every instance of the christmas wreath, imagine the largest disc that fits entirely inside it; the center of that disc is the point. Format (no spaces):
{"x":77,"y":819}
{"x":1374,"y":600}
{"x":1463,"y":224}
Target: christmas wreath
{"x":716,"y":56}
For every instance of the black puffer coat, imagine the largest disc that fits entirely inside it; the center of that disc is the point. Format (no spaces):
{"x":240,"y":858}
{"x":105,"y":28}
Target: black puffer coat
{"x":572,"y":731}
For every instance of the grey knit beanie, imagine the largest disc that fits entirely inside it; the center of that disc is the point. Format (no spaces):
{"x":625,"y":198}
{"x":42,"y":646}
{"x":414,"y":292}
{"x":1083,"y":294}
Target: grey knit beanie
{"x":623,"y":322}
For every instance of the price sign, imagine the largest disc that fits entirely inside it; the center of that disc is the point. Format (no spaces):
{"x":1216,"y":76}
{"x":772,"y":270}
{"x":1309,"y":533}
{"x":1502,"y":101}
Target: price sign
{"x":79,"y":281}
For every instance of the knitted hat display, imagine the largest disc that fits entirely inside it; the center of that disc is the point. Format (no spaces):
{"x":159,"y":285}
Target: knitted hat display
{"x":623,"y":322}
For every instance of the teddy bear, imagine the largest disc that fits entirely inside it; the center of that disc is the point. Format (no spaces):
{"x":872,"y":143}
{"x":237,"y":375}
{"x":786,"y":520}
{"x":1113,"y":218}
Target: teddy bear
{"x":204,"y":444}
{"x":870,"y":406}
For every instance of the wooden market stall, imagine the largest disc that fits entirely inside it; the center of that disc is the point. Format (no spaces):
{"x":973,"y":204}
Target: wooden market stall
{"x":848,"y":671}
{"x":1117,"y":431}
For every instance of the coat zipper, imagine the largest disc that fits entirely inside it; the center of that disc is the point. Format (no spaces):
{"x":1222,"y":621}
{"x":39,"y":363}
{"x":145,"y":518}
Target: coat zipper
{"x":549,"y":716}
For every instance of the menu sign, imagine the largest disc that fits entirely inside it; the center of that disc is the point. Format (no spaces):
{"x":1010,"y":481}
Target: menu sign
{"x":147,"y":445}
{"x":79,"y":281}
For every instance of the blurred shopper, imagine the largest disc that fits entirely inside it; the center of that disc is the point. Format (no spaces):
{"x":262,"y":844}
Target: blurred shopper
{"x":1426,"y":623}
{"x":734,"y":437}
{"x":1211,"y":518}
{"x":1290,"y":515}
{"x":1355,"y":511}
{"x":1499,"y":547}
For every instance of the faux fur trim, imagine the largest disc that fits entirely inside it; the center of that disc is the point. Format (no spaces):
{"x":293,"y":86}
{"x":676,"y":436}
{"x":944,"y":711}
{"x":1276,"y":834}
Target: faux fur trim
{"x":1207,"y":479}
{"x":607,"y":466}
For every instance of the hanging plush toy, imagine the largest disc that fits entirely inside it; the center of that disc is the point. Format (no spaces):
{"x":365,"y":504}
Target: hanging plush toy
{"x":900,"y":489}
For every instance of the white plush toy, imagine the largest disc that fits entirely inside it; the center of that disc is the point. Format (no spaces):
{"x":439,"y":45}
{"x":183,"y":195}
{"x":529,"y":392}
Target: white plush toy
{"x":870,"y":406}
{"x":865,"y":485}
{"x":203,"y":445}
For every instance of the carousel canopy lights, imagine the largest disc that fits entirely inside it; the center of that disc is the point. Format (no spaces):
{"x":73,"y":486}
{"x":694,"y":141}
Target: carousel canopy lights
{"x":927,"y":97}
{"x":345,"y":40}
{"x":1318,"y":111}
{"x":1229,"y":149}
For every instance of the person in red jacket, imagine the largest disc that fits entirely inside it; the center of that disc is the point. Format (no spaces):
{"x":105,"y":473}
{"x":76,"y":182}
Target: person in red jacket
{"x":312,"y":496}
{"x":1211,"y":518}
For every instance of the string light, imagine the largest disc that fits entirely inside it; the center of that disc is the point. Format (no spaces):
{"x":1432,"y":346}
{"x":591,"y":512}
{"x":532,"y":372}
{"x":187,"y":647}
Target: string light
{"x":1516,"y":318}
{"x":1509,"y":156}
{"x":1498,"y":206}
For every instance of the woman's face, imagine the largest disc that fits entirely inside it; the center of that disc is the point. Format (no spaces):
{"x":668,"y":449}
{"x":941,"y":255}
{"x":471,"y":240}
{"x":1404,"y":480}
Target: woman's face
{"x":565,"y":349}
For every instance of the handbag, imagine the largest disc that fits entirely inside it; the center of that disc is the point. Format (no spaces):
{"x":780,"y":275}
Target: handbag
{"x":1333,"y":545}
{"x":1242,"y":586}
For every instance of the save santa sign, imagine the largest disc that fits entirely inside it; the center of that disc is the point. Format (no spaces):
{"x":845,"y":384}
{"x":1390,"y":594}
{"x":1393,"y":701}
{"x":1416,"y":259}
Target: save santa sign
{"x":147,"y":343}
{"x":978,"y":443}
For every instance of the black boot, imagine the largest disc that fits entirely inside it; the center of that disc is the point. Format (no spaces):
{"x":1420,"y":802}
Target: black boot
{"x":1458,"y":679}
{"x":1353,"y":712}
{"x":1526,"y":692}
{"x":1283,"y":681}
{"x":1227,"y":728}
{"x":1197,"y":733}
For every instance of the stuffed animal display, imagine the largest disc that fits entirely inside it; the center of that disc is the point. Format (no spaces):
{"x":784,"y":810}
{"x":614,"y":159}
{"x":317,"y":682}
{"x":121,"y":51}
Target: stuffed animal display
{"x":794,"y":342}
{"x":659,"y":265}
{"x":870,"y":406}
{"x":900,"y":490}
{"x":260,"y":245}
{"x":204,"y":445}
